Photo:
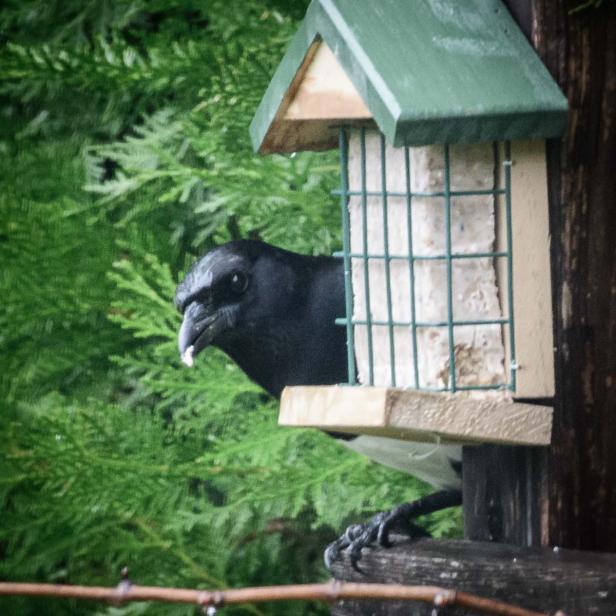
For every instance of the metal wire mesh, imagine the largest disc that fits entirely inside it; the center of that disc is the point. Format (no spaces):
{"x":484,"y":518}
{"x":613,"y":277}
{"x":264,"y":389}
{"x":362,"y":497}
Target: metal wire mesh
{"x":363,"y":258}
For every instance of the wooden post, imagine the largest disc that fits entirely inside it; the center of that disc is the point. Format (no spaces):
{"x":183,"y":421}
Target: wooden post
{"x":579,"y":49}
{"x":505,"y":496}
{"x":568,"y":497}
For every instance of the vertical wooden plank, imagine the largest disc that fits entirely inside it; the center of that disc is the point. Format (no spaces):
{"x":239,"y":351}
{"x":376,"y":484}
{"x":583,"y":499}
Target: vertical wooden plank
{"x":532,"y":294}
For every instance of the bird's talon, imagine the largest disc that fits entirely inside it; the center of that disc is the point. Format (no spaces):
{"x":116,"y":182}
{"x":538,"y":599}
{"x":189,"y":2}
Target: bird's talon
{"x":355,"y":566}
{"x":356,"y":537}
{"x":333,"y":550}
{"x":355,"y":553}
{"x":330,"y":555}
{"x":352,"y":532}
{"x":383,"y":536}
{"x":385,"y":527}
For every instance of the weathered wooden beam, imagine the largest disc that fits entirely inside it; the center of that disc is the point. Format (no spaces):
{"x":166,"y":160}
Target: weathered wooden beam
{"x":415,"y":415}
{"x":579,"y":583}
{"x":505,"y":494}
{"x":579,"y":49}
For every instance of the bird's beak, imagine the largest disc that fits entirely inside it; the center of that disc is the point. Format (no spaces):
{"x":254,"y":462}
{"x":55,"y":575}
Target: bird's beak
{"x":201,"y":324}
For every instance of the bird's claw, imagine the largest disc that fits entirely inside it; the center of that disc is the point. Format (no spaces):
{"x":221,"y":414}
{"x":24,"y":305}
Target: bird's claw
{"x":358,"y":536}
{"x":353,"y":540}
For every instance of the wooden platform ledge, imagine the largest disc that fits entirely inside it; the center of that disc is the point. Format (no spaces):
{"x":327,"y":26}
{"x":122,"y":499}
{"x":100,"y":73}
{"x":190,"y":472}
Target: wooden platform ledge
{"x":546,"y":580}
{"x":414,"y":415}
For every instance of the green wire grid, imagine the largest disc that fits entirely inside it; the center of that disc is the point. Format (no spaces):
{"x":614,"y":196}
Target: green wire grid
{"x":448,"y":256}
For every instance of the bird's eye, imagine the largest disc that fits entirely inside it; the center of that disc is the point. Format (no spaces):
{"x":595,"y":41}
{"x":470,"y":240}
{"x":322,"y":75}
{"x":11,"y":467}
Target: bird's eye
{"x":238,"y":282}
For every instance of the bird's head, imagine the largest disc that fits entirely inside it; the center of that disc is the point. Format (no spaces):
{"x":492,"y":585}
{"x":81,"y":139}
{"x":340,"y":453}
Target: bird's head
{"x":229,"y":292}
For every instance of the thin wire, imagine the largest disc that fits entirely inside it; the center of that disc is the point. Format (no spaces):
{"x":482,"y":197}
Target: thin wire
{"x":346,"y":246}
{"x":441,"y":193}
{"x":329,"y":592}
{"x":462,"y":323}
{"x":458,"y":255}
{"x":364,"y":207}
{"x":411,"y":260}
{"x":512,"y":360}
{"x":390,"y":318}
{"x":448,"y":252}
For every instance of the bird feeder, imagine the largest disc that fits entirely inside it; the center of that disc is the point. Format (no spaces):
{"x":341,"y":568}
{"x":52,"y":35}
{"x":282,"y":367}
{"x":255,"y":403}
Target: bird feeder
{"x":440,"y":111}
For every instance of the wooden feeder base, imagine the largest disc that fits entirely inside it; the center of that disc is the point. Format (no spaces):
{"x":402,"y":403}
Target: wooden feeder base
{"x":416,"y":415}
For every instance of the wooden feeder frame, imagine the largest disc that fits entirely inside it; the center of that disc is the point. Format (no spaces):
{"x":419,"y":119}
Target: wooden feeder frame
{"x":522,"y":495}
{"x":343,"y":68}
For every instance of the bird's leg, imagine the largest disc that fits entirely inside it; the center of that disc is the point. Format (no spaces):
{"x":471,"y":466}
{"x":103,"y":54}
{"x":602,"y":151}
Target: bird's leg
{"x":357,"y":536}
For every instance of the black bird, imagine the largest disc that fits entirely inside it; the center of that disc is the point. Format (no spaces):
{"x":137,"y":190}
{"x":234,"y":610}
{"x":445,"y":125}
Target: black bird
{"x":273,"y":312}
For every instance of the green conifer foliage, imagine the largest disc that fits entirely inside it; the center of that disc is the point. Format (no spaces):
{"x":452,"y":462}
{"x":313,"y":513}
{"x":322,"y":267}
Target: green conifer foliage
{"x":124,"y":154}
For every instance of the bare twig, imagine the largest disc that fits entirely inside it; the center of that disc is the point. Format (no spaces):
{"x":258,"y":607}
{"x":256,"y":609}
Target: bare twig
{"x":330,"y":592}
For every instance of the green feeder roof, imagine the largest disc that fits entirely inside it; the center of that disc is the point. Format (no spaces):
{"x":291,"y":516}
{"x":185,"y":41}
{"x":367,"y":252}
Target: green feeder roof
{"x":429,"y":71}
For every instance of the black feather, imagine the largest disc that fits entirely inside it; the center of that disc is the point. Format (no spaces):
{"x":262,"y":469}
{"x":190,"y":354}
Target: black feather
{"x":282,"y":327}
{"x":273,"y":312}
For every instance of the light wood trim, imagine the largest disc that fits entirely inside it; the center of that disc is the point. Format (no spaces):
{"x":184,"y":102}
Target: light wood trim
{"x":319,"y":98}
{"x":326,"y":92}
{"x":414,"y":415}
{"x":532,"y":293}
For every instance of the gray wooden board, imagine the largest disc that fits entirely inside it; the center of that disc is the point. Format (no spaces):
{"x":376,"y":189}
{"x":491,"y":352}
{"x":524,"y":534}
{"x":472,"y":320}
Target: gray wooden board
{"x":541,"y":579}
